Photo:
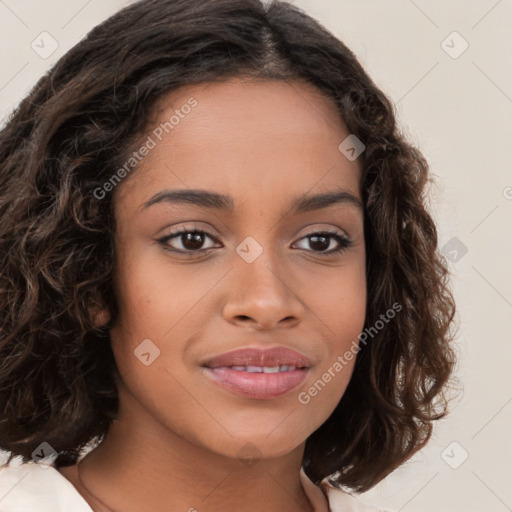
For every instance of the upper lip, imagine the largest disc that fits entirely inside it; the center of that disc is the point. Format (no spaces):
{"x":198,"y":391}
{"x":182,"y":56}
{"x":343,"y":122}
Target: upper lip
{"x":271,"y":357}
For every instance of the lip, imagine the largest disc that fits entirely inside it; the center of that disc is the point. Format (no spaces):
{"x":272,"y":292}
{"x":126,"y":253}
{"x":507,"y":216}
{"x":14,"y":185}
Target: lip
{"x":260,"y":357}
{"x":262,"y":386}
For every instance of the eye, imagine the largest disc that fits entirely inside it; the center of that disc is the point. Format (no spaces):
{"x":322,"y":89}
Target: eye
{"x":323,"y":240}
{"x":191,"y":241}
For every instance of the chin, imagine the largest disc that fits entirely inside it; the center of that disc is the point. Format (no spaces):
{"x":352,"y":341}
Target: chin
{"x":253,"y":448}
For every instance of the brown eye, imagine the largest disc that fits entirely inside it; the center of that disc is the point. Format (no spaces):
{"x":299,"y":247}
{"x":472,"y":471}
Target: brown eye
{"x":190,"y":241}
{"x":320,"y":242}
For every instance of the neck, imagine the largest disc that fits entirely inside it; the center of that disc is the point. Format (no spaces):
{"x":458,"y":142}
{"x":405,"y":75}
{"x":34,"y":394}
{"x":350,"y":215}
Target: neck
{"x":139,"y":468}
{"x":96,"y":504}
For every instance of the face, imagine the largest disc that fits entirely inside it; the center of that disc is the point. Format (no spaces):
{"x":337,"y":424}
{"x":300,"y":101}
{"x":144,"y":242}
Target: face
{"x":259,"y":268}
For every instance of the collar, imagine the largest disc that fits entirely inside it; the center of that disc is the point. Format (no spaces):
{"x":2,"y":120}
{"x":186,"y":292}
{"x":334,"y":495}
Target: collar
{"x":317,"y":494}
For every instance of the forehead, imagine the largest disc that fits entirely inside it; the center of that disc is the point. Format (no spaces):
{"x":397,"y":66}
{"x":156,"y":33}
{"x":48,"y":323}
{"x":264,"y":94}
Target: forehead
{"x":252,"y":140}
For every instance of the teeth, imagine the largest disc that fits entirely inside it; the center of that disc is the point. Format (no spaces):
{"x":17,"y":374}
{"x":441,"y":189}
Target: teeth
{"x":264,"y":369}
{"x":254,"y":369}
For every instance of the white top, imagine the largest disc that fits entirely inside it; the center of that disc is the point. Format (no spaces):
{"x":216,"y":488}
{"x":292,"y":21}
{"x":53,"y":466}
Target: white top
{"x":31,"y":486}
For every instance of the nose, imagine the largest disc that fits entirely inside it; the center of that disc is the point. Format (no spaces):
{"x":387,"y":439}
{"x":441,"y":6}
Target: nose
{"x":262,"y":295}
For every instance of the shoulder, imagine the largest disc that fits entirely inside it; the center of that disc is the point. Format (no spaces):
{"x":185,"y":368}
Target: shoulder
{"x":32,"y":486}
{"x":344,"y":501}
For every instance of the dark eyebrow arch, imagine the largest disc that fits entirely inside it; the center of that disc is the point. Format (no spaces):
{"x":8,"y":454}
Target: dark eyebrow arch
{"x":217,"y":201}
{"x":309,"y":203}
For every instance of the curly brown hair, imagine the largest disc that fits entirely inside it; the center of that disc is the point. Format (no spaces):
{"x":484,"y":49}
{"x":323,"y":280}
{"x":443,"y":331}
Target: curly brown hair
{"x":79,"y":123}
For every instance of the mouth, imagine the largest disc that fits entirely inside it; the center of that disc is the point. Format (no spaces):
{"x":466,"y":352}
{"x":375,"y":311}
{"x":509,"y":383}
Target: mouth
{"x":259,"y":374}
{"x":262,"y":369}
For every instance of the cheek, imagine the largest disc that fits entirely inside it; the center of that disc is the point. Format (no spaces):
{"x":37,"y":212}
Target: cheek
{"x":338,"y":304}
{"x":340,"y":310}
{"x":160,"y":312}
{"x":149,"y":343}
{"x":155,"y":298}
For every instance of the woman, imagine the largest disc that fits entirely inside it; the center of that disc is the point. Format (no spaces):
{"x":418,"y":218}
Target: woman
{"x":218,"y":271}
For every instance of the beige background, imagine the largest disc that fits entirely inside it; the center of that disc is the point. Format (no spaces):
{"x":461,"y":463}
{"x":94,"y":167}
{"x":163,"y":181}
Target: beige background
{"x":459,"y":111}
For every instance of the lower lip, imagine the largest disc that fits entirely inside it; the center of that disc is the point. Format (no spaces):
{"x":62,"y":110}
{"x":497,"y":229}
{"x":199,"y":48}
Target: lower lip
{"x":258,"y":385}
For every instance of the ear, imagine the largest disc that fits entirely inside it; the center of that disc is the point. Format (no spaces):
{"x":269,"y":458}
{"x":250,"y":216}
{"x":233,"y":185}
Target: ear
{"x":99,"y":315}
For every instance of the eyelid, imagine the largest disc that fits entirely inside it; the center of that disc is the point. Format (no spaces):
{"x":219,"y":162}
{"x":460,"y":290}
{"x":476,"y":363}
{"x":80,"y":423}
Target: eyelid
{"x":332,"y":230}
{"x":193,"y":226}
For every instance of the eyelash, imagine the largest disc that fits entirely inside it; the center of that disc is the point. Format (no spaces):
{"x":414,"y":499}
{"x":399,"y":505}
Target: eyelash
{"x":344,"y":242}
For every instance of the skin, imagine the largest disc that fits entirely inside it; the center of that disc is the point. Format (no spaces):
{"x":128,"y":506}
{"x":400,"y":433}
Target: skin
{"x":176,"y":443}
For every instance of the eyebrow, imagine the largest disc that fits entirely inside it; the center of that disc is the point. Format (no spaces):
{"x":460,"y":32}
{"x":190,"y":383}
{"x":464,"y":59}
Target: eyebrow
{"x":214,"y":200}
